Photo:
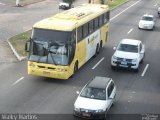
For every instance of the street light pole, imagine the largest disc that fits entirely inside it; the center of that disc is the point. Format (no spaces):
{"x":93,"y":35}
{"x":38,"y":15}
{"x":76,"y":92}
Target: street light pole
{"x":17,"y":3}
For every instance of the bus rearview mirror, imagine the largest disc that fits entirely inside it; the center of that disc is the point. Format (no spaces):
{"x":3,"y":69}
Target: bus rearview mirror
{"x":27,"y":46}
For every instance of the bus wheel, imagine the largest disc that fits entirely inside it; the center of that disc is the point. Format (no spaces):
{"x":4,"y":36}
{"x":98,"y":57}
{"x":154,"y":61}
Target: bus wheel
{"x":75,"y":67}
{"x":101,"y":45}
{"x":97,"y":50}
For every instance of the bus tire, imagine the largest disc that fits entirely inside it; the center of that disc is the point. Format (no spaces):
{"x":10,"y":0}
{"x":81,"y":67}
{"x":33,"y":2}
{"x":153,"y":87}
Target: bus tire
{"x":75,"y":67}
{"x":97,"y":50}
{"x":101,"y":45}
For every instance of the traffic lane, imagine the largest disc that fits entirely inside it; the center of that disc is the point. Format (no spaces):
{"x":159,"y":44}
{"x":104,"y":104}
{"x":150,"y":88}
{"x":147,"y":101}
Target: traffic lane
{"x":37,"y":95}
{"x":128,"y":20}
{"x":124,"y":7}
{"x":10,"y":72}
{"x":33,"y":94}
{"x":130,"y":84}
{"x":135,"y":94}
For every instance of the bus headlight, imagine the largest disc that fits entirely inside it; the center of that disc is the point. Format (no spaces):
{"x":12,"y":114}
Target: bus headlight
{"x":61,"y":69}
{"x":31,"y":65}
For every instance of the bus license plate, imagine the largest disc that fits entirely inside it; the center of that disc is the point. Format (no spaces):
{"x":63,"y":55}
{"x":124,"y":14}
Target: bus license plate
{"x":46,"y":73}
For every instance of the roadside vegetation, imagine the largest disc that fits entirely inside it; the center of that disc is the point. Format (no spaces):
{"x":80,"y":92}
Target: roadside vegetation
{"x":21,"y":2}
{"x":18,"y":41}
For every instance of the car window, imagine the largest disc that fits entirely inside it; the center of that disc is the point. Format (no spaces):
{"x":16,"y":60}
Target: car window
{"x":140,"y":47}
{"x":147,"y":18}
{"x":94,"y":93}
{"x":127,"y":48}
{"x":110,"y":89}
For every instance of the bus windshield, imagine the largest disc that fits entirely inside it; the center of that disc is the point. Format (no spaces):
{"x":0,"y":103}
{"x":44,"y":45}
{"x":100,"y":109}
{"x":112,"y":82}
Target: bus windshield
{"x":50,"y":46}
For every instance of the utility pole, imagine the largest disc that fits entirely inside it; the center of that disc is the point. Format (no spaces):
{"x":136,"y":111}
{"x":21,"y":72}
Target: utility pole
{"x":17,"y":3}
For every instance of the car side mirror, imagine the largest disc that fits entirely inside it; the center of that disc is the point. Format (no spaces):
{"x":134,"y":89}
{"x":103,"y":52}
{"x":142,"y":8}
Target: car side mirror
{"x":114,"y":48}
{"x":111,"y":97}
{"x":77,"y":92}
{"x":143,"y":49}
{"x":142,"y":52}
{"x":27,"y":46}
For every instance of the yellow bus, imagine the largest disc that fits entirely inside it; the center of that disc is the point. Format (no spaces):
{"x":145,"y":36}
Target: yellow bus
{"x":61,"y":44}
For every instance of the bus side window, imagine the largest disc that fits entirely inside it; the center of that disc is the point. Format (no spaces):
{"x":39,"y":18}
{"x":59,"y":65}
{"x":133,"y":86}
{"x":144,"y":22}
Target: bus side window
{"x":105,"y":18}
{"x":91,"y":26}
{"x":85,"y":30}
{"x":101,"y":20}
{"x":72,"y":46}
{"x":79,"y":34}
{"x":95,"y":23}
{"x":108,"y":16}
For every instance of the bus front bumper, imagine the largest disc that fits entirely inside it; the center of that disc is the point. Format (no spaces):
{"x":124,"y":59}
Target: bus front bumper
{"x":48,"y":73}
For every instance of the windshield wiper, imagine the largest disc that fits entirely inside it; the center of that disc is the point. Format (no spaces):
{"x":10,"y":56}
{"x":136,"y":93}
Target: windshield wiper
{"x":49,"y":51}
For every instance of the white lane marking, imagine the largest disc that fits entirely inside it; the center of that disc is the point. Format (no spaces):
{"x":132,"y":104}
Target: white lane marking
{"x":155,"y":5}
{"x":124,"y":10}
{"x":145,"y":69}
{"x":18,"y":81}
{"x":98,"y":63}
{"x":2,"y":4}
{"x":130,"y":31}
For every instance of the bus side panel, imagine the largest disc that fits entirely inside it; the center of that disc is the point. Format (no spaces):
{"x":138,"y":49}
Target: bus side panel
{"x":104,"y":33}
{"x":92,"y":41}
{"x":81,"y":52}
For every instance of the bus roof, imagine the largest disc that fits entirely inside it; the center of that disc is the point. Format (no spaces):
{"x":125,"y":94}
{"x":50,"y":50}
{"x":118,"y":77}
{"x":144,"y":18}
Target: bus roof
{"x":70,"y":19}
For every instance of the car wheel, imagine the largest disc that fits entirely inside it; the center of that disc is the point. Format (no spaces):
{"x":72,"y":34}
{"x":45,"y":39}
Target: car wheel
{"x":142,"y":59}
{"x":136,"y":70}
{"x":105,"y":115}
{"x":113,"y":67}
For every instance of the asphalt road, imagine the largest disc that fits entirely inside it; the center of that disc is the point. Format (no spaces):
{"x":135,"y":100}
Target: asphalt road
{"x":137,"y":93}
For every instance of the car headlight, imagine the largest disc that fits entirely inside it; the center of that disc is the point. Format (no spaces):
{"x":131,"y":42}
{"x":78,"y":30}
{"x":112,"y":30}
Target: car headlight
{"x":100,"y":111}
{"x":77,"y":109}
{"x":140,"y":23}
{"x":114,"y":57}
{"x":134,"y":60}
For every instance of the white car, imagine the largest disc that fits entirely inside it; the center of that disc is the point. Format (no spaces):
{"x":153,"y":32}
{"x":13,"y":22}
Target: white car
{"x":147,"y":22}
{"x":96,"y":98}
{"x":129,"y":54}
{"x":64,"y":5}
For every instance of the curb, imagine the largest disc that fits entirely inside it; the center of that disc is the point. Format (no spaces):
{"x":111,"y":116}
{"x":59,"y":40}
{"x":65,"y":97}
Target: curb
{"x":15,"y":52}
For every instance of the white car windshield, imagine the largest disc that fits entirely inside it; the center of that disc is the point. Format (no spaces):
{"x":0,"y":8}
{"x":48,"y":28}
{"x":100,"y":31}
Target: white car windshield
{"x":147,"y":18}
{"x":94,"y":93}
{"x":128,"y":48}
